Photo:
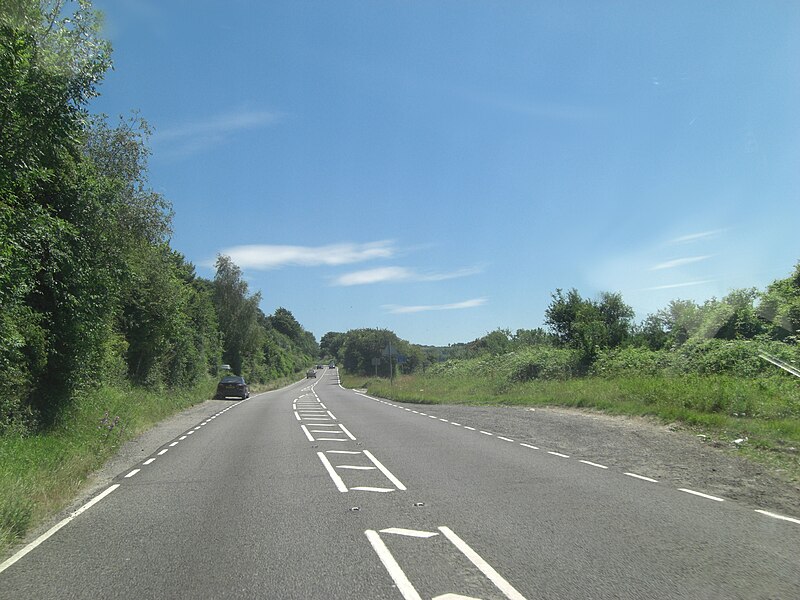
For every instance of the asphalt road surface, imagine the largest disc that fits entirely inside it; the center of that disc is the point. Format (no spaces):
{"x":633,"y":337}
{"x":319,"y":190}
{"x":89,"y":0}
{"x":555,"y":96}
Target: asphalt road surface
{"x":314,"y":491}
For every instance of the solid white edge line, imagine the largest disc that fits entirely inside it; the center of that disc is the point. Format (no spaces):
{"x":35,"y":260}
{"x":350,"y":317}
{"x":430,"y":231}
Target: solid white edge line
{"x":390,"y":564}
{"x":588,"y":462}
{"x":308,"y":435}
{"x":296,"y":416}
{"x":42,"y":538}
{"x":347,"y":432}
{"x":702,"y":495}
{"x":500,"y":583}
{"x":385,"y":471}
{"x":777,"y":516}
{"x":642,"y":477}
{"x":332,"y":472}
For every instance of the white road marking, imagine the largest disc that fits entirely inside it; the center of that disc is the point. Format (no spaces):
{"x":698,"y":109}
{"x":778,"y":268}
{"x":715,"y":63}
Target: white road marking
{"x":529,"y":446}
{"x":445,"y":420}
{"x":468,"y":427}
{"x":409,"y":532}
{"x":558,"y":454}
{"x":486,"y":432}
{"x":588,"y":462}
{"x":764,"y":512}
{"x":350,"y":435}
{"x":38,"y":541}
{"x":390,"y":564}
{"x":173,"y":444}
{"x":343,"y":451}
{"x":330,"y":440}
{"x":132,"y":473}
{"x":432,"y":417}
{"x":183,"y":437}
{"x":330,"y":431}
{"x":308,"y":435}
{"x":702,"y":495}
{"x":332,"y":472}
{"x":321,"y":424}
{"x":356,"y":467}
{"x":373,"y":489}
{"x":149,"y":461}
{"x":189,"y":432}
{"x":163,"y":452}
{"x":508,"y":590}
{"x":385,"y":471}
{"x":642,"y":477}
{"x":332,"y":417}
{"x":505,"y":439}
{"x":454,"y":423}
{"x":196,"y":428}
{"x":296,"y":416}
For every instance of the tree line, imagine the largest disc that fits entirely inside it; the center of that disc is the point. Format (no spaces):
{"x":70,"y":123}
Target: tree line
{"x":90,"y":290}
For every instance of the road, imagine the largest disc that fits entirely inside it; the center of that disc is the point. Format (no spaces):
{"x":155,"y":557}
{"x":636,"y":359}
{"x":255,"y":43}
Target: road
{"x":314,"y":491}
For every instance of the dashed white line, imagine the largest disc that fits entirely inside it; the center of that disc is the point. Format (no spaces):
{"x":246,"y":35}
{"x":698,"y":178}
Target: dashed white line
{"x":332,"y":472}
{"x":454,"y":423}
{"x":132,"y":473}
{"x":163,"y":452}
{"x":558,"y":454}
{"x":505,"y":439}
{"x":183,"y":437}
{"x":343,"y":451}
{"x":364,"y":488}
{"x":385,"y":471}
{"x":468,"y":427}
{"x":173,"y":444}
{"x":390,"y":564}
{"x":588,"y":462}
{"x":702,"y":495}
{"x":510,"y":592}
{"x":642,"y":477}
{"x":356,"y":467}
{"x":529,"y":446}
{"x":347,"y":432}
{"x":308,"y":435}
{"x":773,"y":515}
{"x":149,"y":461}
{"x":486,"y":432}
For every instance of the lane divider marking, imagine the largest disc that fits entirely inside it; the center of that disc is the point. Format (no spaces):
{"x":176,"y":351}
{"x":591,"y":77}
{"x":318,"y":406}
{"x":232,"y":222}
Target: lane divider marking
{"x":642,"y":477}
{"x":702,"y":495}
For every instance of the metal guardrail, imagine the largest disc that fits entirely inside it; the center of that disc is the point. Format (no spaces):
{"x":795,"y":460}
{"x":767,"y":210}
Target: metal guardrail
{"x":779,"y":363}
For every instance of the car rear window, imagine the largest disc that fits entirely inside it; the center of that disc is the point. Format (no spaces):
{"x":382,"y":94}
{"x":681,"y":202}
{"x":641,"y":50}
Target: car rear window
{"x":232,"y":380}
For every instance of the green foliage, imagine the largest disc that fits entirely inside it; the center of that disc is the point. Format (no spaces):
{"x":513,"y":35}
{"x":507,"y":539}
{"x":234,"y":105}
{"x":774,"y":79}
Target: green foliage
{"x":357,"y":348}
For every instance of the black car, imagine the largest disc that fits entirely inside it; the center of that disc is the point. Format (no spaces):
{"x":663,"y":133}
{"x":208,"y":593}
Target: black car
{"x":232,"y":386}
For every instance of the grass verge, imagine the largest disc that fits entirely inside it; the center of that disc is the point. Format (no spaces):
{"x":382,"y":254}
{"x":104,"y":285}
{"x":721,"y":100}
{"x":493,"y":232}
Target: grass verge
{"x":41,"y":473}
{"x":765,"y":411}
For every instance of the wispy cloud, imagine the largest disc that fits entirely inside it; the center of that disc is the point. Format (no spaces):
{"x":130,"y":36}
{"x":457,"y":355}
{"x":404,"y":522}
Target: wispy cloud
{"x":678,"y":262}
{"x":396,"y":309}
{"x":267,"y":257}
{"x":693,"y":237}
{"x":670,"y":286}
{"x":189,"y":138}
{"x":399,"y":274}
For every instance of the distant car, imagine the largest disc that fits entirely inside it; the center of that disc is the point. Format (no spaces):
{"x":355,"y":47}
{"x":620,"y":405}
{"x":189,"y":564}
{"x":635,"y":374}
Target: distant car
{"x":232,"y":386}
{"x":319,"y":366}
{"x":311,"y":373}
{"x":332,"y":365}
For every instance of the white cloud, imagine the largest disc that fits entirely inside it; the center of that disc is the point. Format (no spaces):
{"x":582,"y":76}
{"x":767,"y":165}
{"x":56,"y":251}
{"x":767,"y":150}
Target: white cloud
{"x":396,"y":309}
{"x":398,"y":274}
{"x":671,"y":264}
{"x":693,"y":237}
{"x":193,"y":137}
{"x":274,"y":257}
{"x":679,"y":285}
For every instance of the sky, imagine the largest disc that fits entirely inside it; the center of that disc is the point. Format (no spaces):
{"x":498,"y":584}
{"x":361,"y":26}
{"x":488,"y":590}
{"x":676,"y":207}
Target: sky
{"x":440,"y":168}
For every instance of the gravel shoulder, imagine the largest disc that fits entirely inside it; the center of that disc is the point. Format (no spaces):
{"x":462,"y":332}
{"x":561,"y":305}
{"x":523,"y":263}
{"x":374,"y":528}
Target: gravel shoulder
{"x":635,"y":444}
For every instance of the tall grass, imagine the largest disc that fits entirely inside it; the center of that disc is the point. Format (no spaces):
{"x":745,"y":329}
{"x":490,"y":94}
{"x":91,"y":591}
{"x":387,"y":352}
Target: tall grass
{"x":40,"y":473}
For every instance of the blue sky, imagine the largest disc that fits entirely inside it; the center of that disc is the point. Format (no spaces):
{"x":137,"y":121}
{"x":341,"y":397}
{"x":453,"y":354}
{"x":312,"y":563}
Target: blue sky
{"x":440,"y":168}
